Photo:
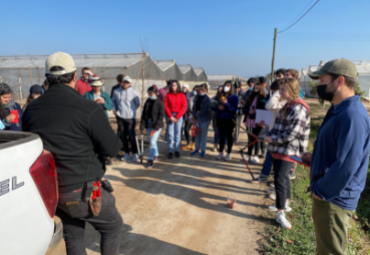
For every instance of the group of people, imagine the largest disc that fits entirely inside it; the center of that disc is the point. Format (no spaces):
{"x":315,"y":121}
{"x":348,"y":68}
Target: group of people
{"x":82,"y":141}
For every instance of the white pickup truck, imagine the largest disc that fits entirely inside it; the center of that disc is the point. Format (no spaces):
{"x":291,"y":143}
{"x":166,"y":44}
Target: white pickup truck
{"x":28,"y":196}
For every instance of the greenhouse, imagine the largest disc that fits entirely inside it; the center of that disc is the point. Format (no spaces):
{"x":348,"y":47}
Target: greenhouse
{"x":20,"y":72}
{"x":219,"y":79}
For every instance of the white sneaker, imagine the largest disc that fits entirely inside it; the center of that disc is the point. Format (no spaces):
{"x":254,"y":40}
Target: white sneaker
{"x":255,"y":160}
{"x":285,"y":224}
{"x":228,"y":157}
{"x":126,"y":157}
{"x":270,"y":190}
{"x":134,"y":157}
{"x":272,"y":196}
{"x":220,"y":156}
{"x":272,"y":184}
{"x":273,"y":208}
{"x":247,"y":158}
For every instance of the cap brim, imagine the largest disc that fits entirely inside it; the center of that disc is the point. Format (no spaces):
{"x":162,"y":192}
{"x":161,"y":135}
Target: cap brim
{"x":317,"y":74}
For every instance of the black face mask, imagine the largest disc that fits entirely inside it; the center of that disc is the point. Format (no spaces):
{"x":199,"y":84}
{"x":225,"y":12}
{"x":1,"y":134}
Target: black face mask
{"x":324,"y":94}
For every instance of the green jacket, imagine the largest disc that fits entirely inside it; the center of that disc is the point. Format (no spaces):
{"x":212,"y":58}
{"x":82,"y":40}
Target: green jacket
{"x":107,"y":106}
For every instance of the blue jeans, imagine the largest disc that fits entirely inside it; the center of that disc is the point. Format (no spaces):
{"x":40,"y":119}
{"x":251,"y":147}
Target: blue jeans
{"x":174,"y":133}
{"x":153,"y":147}
{"x":267,"y":165}
{"x":201,"y":138}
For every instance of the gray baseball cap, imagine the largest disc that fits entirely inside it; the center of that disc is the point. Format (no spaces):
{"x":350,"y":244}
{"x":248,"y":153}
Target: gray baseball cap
{"x":338,"y":66}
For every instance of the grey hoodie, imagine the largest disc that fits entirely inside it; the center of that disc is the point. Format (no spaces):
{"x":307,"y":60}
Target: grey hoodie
{"x":125,"y":103}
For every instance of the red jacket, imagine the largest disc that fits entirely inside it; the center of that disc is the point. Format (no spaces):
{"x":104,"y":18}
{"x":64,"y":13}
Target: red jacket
{"x":175,"y":103}
{"x":82,"y":87}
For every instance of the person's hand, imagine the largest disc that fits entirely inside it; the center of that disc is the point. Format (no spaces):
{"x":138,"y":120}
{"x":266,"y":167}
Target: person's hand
{"x":221,"y":107}
{"x":101,"y":101}
{"x":252,"y":111}
{"x":90,"y":73}
{"x":10,"y":118}
{"x":153,"y":132}
{"x":115,"y":113}
{"x":173,"y":119}
{"x":317,"y":197}
{"x":242,"y":102}
{"x":307,"y":157}
{"x":223,"y":101}
{"x":261,"y":124}
{"x":267,"y":139}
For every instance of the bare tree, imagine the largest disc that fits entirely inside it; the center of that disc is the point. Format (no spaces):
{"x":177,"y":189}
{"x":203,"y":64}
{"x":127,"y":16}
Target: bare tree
{"x":37,"y":69}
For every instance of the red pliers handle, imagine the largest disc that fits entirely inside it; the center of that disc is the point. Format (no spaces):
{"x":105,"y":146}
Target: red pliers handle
{"x":96,"y":190}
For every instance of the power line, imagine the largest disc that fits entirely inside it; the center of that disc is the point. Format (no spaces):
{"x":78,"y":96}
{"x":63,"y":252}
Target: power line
{"x":299,"y":13}
{"x":300,"y":17}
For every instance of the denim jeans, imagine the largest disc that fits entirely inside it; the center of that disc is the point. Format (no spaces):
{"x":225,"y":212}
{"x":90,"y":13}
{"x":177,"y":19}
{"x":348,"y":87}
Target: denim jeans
{"x":153,"y":147}
{"x":201,"y":138}
{"x":267,"y":165}
{"x":174,"y":134}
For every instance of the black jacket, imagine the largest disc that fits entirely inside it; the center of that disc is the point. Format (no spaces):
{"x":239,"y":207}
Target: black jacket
{"x":261,"y":102}
{"x":158,"y":113}
{"x":77,"y":133}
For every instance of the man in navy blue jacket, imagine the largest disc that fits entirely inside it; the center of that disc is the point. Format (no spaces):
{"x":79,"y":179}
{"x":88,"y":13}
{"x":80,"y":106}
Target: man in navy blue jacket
{"x":340,"y":157}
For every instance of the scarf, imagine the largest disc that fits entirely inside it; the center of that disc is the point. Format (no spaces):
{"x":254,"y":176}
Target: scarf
{"x":11,"y":105}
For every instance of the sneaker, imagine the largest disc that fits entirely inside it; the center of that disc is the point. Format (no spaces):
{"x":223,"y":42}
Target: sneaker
{"x":202,"y":154}
{"x":292,"y":176}
{"x":228,"y":157}
{"x":150,"y":163}
{"x":273,"y":208}
{"x":126,"y":157}
{"x":285,"y":224}
{"x":255,"y":160}
{"x":270,"y":190}
{"x":156,"y":158}
{"x":247,"y":158}
{"x":194,"y":153}
{"x":271,"y":184}
{"x":272,"y":196}
{"x":220,"y":156}
{"x":134,"y":157}
{"x":177,"y":154}
{"x":260,"y":179}
{"x":170,"y":155}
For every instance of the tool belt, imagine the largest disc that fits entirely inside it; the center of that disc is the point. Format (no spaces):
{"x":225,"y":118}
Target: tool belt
{"x":82,"y":203}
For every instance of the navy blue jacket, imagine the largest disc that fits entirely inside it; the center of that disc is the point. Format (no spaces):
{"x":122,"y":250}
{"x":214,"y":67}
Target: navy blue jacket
{"x":203,"y":115}
{"x":341,"y":154}
{"x":230,"y":108}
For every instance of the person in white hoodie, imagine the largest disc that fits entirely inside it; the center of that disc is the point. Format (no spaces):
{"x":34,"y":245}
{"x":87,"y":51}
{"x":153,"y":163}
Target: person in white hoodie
{"x":126,"y":101}
{"x":274,"y":104}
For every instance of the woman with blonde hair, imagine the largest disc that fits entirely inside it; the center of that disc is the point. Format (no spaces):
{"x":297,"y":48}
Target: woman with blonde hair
{"x":289,"y":137}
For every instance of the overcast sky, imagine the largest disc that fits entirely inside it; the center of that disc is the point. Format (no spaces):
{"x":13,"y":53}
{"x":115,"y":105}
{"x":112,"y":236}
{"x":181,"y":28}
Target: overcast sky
{"x":223,"y":37}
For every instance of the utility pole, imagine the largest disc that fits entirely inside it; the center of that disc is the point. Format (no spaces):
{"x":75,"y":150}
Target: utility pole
{"x":273,"y":56}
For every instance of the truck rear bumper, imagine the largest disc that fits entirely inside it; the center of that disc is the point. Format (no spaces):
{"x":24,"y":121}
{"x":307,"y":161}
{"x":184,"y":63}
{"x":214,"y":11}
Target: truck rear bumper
{"x":57,"y":236}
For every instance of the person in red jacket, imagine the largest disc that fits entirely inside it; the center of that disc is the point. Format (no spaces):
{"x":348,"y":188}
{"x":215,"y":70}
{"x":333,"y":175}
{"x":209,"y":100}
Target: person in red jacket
{"x":83,"y":84}
{"x":175,"y":105}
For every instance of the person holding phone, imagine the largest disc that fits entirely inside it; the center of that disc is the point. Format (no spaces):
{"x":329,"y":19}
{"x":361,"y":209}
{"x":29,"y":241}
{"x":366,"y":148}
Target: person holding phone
{"x":175,"y":105}
{"x":288,"y":137}
{"x":256,"y":100}
{"x":152,"y":120}
{"x":14,"y":112}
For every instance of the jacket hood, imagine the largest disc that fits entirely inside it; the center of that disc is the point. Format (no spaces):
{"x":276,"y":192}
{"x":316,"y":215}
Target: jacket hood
{"x":302,"y":102}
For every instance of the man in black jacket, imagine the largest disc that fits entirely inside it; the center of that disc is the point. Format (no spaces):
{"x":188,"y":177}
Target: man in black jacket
{"x":77,"y":133}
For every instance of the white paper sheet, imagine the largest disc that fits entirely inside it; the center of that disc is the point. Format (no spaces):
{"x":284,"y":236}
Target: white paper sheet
{"x":264,"y":115}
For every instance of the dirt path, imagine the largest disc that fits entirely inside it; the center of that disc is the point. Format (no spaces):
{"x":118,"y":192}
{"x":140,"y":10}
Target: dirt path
{"x":179,"y":206}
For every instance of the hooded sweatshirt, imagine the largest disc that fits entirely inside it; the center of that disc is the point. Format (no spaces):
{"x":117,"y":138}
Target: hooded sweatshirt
{"x":291,"y":131}
{"x":125,"y":103}
{"x":341,"y":154}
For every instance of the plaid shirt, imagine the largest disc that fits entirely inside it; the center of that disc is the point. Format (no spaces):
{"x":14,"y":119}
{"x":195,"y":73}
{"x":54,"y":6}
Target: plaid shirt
{"x":163,"y":93}
{"x":290,"y":134}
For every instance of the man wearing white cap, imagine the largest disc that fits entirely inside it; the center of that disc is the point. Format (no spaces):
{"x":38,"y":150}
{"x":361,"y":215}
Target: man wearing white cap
{"x":126,"y":101}
{"x":77,"y":133}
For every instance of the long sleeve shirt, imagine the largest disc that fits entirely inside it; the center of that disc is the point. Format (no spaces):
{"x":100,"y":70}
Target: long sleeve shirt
{"x":125,"y":103}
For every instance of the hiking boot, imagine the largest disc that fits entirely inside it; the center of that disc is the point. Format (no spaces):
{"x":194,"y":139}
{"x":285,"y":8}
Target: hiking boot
{"x":220,"y":156}
{"x":194,"y":153}
{"x":285,"y":224}
{"x":227,"y":157}
{"x":170,"y":155}
{"x":187,"y":147}
{"x":177,"y":154}
{"x":193,"y":146}
{"x":150,"y":163}
{"x":273,"y":208}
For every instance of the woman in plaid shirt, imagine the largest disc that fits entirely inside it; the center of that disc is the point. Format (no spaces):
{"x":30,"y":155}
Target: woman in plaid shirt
{"x":288,"y":137}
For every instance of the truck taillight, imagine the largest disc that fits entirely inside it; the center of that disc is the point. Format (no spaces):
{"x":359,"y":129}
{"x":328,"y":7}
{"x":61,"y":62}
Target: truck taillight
{"x":44,"y":175}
